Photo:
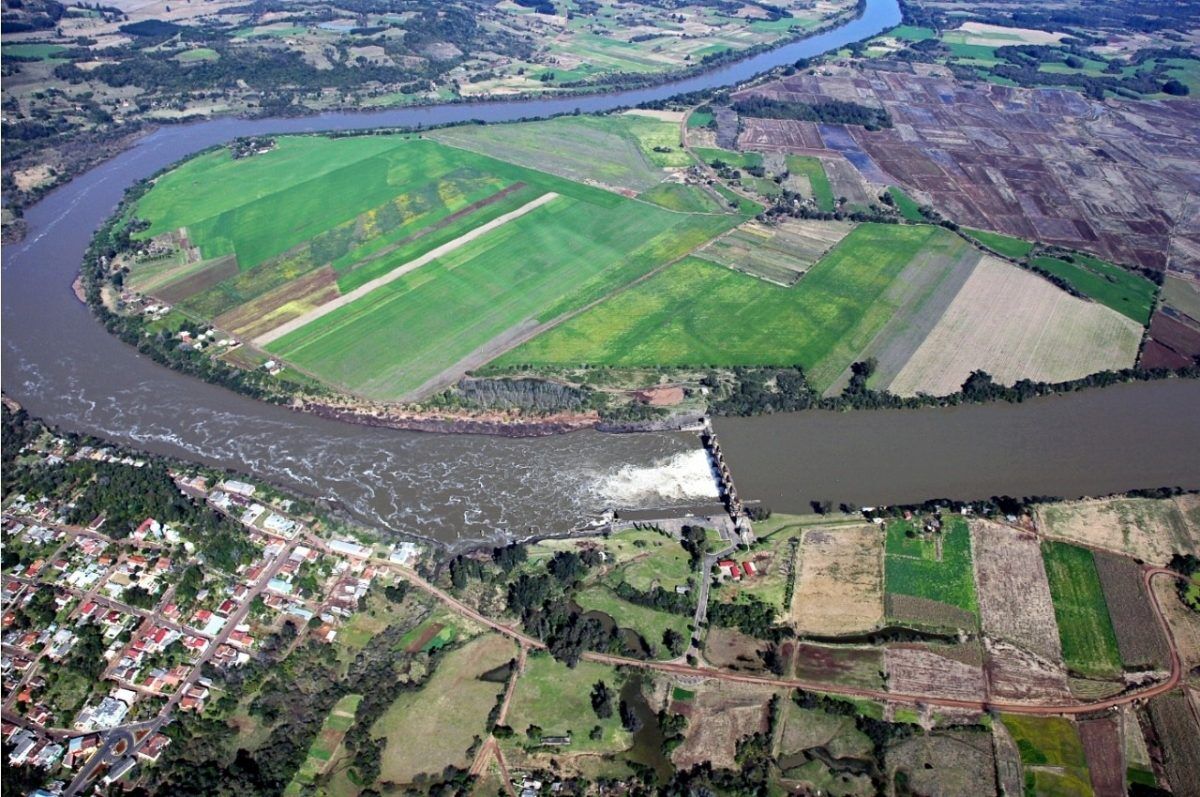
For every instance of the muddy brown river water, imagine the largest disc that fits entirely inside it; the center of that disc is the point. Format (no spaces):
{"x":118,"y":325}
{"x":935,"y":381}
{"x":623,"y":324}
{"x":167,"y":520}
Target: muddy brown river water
{"x":64,"y":367}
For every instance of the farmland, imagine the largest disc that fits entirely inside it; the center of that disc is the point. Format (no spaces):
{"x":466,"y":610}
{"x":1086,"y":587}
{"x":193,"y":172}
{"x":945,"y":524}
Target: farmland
{"x":812,"y":172}
{"x":839,"y":587}
{"x":1017,"y":613}
{"x":946,"y":763}
{"x":328,"y":741}
{"x":937,"y":569}
{"x":1038,"y":332}
{"x":418,"y":740}
{"x":780,"y":253}
{"x":1130,"y":294}
{"x":915,"y":670}
{"x":1176,"y":727}
{"x":1149,"y":529}
{"x":568,"y":146}
{"x":1089,"y":644}
{"x":1139,"y":638}
{"x":840,"y":664}
{"x":1102,"y":196}
{"x":1052,"y":755}
{"x":427,"y":227}
{"x":909,"y":208}
{"x":694,"y":313}
{"x":730,"y":713}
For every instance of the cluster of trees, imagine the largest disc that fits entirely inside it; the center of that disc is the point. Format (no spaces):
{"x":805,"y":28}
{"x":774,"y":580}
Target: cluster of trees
{"x":124,"y":495}
{"x":751,"y":393}
{"x":751,"y":616}
{"x":758,"y":390}
{"x":1187,"y":565}
{"x":827,"y":111}
{"x":694,"y":540}
{"x":656,"y":598}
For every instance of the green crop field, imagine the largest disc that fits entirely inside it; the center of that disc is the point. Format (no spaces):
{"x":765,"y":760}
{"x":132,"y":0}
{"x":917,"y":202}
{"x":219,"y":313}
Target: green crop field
{"x":683,"y":198}
{"x":1128,"y":293}
{"x":1004,"y":244}
{"x":696,"y":314}
{"x":1088,"y":641}
{"x":907,"y":206}
{"x":398,"y":198}
{"x":41,"y":51}
{"x":557,"y":699}
{"x":1051,"y":754}
{"x":649,"y":623}
{"x":818,"y":181}
{"x":912,"y":567}
{"x":736,"y":159}
{"x":323,"y":748}
{"x":615,"y":150}
{"x":548,"y":262}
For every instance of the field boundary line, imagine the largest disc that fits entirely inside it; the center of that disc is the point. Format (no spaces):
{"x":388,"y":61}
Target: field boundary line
{"x":980,"y":704}
{"x":361,"y":291}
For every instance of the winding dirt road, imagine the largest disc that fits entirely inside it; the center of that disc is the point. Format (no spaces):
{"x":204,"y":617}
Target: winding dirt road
{"x":677,"y":668}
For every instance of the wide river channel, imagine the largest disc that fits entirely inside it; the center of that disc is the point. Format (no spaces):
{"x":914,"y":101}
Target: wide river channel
{"x":62,"y":366}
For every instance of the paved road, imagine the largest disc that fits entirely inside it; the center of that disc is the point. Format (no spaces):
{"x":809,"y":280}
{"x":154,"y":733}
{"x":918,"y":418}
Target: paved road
{"x":107,"y":755}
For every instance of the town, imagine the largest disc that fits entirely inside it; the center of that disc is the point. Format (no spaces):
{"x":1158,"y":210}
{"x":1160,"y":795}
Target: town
{"x":107,"y":633}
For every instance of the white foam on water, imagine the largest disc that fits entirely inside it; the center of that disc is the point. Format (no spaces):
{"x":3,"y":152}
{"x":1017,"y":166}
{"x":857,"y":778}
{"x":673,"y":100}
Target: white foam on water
{"x":686,"y":476}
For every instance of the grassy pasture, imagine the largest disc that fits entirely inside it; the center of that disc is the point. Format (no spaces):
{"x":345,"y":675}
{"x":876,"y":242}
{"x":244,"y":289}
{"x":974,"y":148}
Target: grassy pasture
{"x":682,"y":198}
{"x":658,"y":561}
{"x":818,"y":181}
{"x":695,"y":313}
{"x":1129,"y":294}
{"x":39,"y":50}
{"x":908,"y":207}
{"x":614,"y":150}
{"x":198,"y":54}
{"x":557,"y":699}
{"x":419,"y":737}
{"x":912,"y":566}
{"x":1088,"y":641}
{"x":1006,"y":245}
{"x":650,"y":623}
{"x":739,"y":160}
{"x":912,"y":33}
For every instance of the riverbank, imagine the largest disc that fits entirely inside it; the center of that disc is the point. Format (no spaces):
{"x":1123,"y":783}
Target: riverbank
{"x":76,"y":153}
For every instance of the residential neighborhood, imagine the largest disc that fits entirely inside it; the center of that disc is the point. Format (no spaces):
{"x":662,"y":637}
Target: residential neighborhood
{"x":108,"y":633}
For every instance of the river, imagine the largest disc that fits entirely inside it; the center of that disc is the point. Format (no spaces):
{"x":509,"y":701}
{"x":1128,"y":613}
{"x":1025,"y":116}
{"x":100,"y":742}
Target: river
{"x":61,"y":365}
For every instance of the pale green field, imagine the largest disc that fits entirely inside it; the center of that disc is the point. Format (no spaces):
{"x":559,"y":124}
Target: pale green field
{"x":367,"y":205}
{"x":699,"y":314}
{"x":419,"y":737}
{"x":557,"y":699}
